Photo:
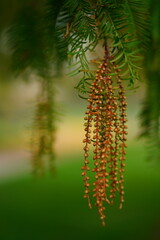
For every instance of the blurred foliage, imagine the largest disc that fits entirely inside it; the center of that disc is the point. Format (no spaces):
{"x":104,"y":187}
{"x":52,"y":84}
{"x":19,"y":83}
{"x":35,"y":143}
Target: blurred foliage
{"x":150,"y":114}
{"x":32,"y":46}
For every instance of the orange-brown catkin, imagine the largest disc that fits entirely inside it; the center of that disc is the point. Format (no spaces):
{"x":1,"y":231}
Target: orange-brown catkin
{"x":106,"y":116}
{"x":122,"y":134}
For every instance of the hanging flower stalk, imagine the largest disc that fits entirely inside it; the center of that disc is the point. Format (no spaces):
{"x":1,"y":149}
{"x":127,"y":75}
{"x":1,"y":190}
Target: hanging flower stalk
{"x":106,"y":117}
{"x":79,"y":26}
{"x":43,"y":132}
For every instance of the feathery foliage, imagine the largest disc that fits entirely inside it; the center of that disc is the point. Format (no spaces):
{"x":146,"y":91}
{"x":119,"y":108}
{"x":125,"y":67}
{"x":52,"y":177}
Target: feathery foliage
{"x":113,"y":22}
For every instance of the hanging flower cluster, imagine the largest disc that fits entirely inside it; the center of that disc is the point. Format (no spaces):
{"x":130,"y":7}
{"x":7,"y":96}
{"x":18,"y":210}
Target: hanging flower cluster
{"x":43,"y":131}
{"x":105,"y":128}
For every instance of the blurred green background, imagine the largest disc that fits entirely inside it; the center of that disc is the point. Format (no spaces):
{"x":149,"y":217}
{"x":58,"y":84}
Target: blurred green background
{"x":53,"y":207}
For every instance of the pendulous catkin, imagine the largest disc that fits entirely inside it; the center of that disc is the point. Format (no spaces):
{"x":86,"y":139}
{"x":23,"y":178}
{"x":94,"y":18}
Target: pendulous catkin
{"x":105,"y":129}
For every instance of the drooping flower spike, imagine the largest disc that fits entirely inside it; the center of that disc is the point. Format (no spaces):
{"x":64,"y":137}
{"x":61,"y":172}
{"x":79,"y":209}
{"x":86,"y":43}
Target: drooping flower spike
{"x":105,"y":128}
